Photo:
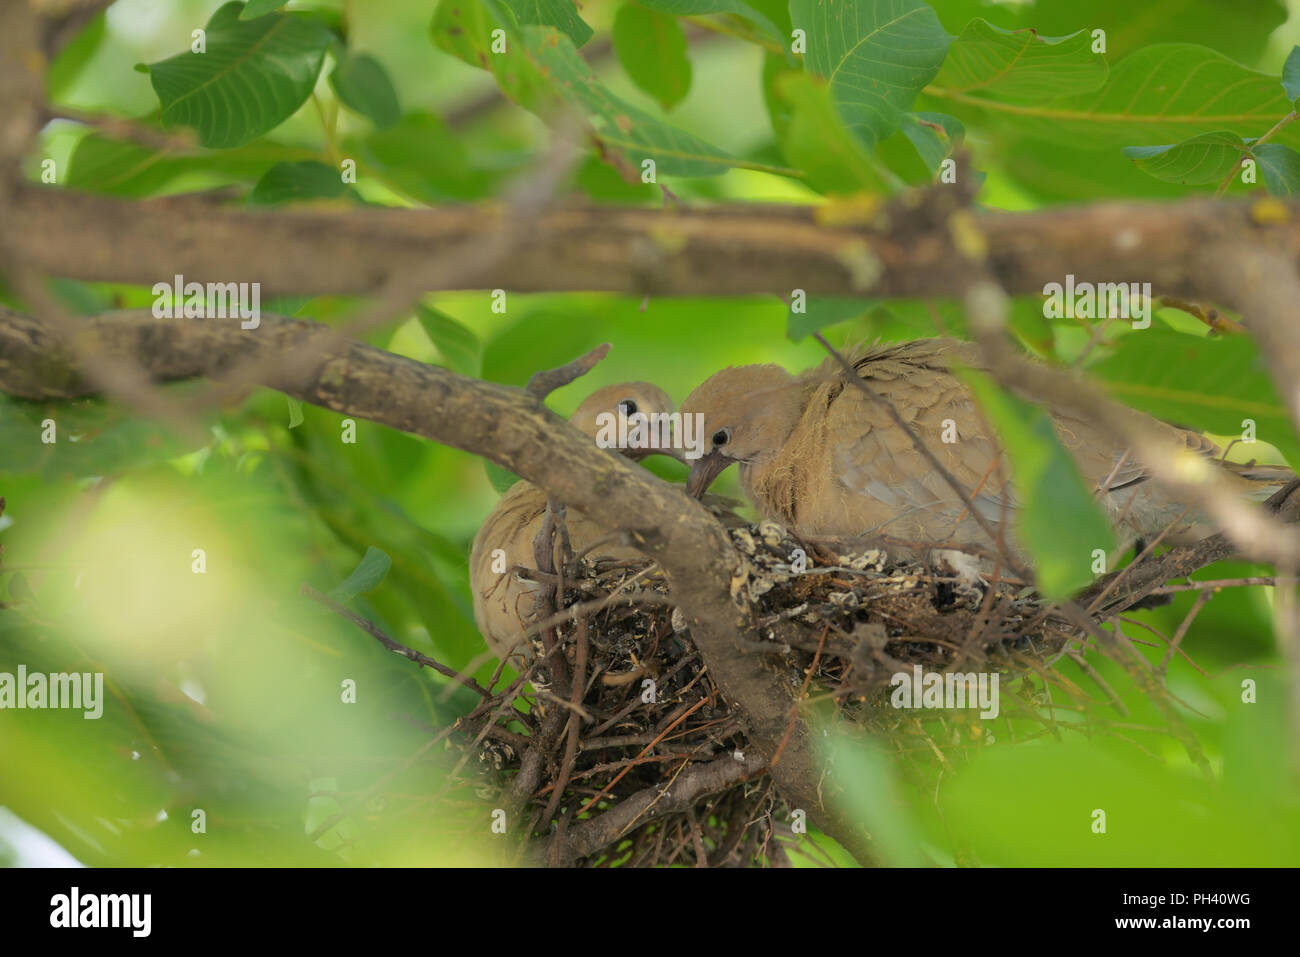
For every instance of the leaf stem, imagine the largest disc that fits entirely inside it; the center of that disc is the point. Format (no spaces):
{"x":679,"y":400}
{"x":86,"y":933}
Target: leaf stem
{"x":327,"y":126}
{"x":1289,"y":118}
{"x":718,"y":27}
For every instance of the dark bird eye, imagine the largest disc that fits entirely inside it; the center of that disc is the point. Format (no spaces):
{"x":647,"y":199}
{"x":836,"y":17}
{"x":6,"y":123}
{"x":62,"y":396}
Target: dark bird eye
{"x":721,"y":437}
{"x":628,"y":407}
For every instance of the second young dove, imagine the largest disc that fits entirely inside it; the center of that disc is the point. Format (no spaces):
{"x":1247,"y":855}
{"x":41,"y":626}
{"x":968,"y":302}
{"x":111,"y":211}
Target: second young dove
{"x":820,"y":456}
{"x":503,"y":601}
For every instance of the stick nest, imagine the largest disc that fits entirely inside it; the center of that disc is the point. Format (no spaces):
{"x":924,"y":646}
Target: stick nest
{"x":840,"y":623}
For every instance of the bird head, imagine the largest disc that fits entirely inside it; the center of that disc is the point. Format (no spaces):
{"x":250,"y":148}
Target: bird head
{"x":748,"y":412}
{"x":604,"y":407}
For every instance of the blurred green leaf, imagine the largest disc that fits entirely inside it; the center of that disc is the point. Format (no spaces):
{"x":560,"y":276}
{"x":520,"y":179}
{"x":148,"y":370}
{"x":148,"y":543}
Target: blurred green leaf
{"x":1239,"y":30}
{"x":424,"y":159}
{"x":1080,"y":803}
{"x":822,"y":311}
{"x":864,"y":787}
{"x":1057,"y":521}
{"x":817,"y":143}
{"x":458,"y":345}
{"x":89,"y":438}
{"x":695,"y":8}
{"x":368,"y":574}
{"x":1158,"y":94}
{"x":292,"y":182}
{"x":652,"y":49}
{"x":500,"y":478}
{"x":624,"y":130}
{"x":71,"y":60}
{"x":253,"y":76}
{"x":1198,"y":382}
{"x":1291,"y":74}
{"x":362,"y":84}
{"x":561,"y":14}
{"x":119,"y":168}
{"x":464,"y":28}
{"x":260,"y":8}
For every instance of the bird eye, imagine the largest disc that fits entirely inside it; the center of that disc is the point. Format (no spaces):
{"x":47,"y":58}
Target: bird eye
{"x":721,"y":437}
{"x":628,"y":407}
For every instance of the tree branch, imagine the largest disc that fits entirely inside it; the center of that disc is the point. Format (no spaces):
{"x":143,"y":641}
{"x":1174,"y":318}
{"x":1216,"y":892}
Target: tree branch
{"x":907,"y":251}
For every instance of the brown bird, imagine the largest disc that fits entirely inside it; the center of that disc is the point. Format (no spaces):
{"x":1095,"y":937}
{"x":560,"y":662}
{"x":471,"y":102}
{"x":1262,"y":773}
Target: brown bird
{"x":822,"y":457}
{"x":503,"y":601}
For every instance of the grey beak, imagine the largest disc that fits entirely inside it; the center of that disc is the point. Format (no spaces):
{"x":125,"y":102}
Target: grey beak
{"x":703,"y":472}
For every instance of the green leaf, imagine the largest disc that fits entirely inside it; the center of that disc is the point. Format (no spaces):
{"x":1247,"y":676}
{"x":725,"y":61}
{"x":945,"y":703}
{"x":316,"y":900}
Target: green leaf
{"x":500,"y":478}
{"x":90,"y":438}
{"x":877,"y":55}
{"x":1203,"y":159}
{"x":369,"y":573}
{"x":295,"y":412}
{"x":1281,"y":168}
{"x":362,"y":85}
{"x":254,"y":75}
{"x":290,"y":182}
{"x":541,"y":70}
{"x":67,"y":66}
{"x":1159,"y":94}
{"x":935,"y":136}
{"x":619,"y":126}
{"x":458,"y":345}
{"x":1207,"y":383}
{"x":822,"y":311}
{"x":119,"y":168}
{"x":464,"y":29}
{"x":696,"y":8}
{"x":1057,"y":521}
{"x":1239,"y":30}
{"x":867,"y":789}
{"x":561,"y":14}
{"x":260,"y":8}
{"x":1291,"y":74}
{"x":422,"y":157}
{"x":1020,"y":65}
{"x":652,"y":48}
{"x":815,"y":140}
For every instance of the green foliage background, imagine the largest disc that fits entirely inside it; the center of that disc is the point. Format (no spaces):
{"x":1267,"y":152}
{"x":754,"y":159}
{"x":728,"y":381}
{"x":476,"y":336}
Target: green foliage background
{"x":224,"y":688}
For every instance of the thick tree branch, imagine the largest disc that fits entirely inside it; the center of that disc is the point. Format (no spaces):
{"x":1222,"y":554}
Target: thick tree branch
{"x":907,"y":250}
{"x":508,"y":426}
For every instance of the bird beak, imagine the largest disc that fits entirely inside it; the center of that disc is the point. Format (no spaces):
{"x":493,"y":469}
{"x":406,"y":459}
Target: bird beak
{"x":703,"y":471}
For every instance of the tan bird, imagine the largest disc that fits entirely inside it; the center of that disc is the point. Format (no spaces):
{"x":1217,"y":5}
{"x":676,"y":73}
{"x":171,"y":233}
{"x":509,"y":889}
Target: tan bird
{"x":503,"y":601}
{"x":826,"y":460}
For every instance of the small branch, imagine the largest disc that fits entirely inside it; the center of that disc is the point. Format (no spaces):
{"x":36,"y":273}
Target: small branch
{"x":392,"y":644}
{"x":542,"y":384}
{"x":653,"y":803}
{"x":1216,"y":320}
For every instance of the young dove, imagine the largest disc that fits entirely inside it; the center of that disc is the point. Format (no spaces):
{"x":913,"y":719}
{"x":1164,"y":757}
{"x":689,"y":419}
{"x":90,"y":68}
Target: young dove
{"x":503,"y":601}
{"x":820,"y":456}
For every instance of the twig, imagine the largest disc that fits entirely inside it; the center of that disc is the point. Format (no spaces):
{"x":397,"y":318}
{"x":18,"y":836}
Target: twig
{"x":375,"y":632}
